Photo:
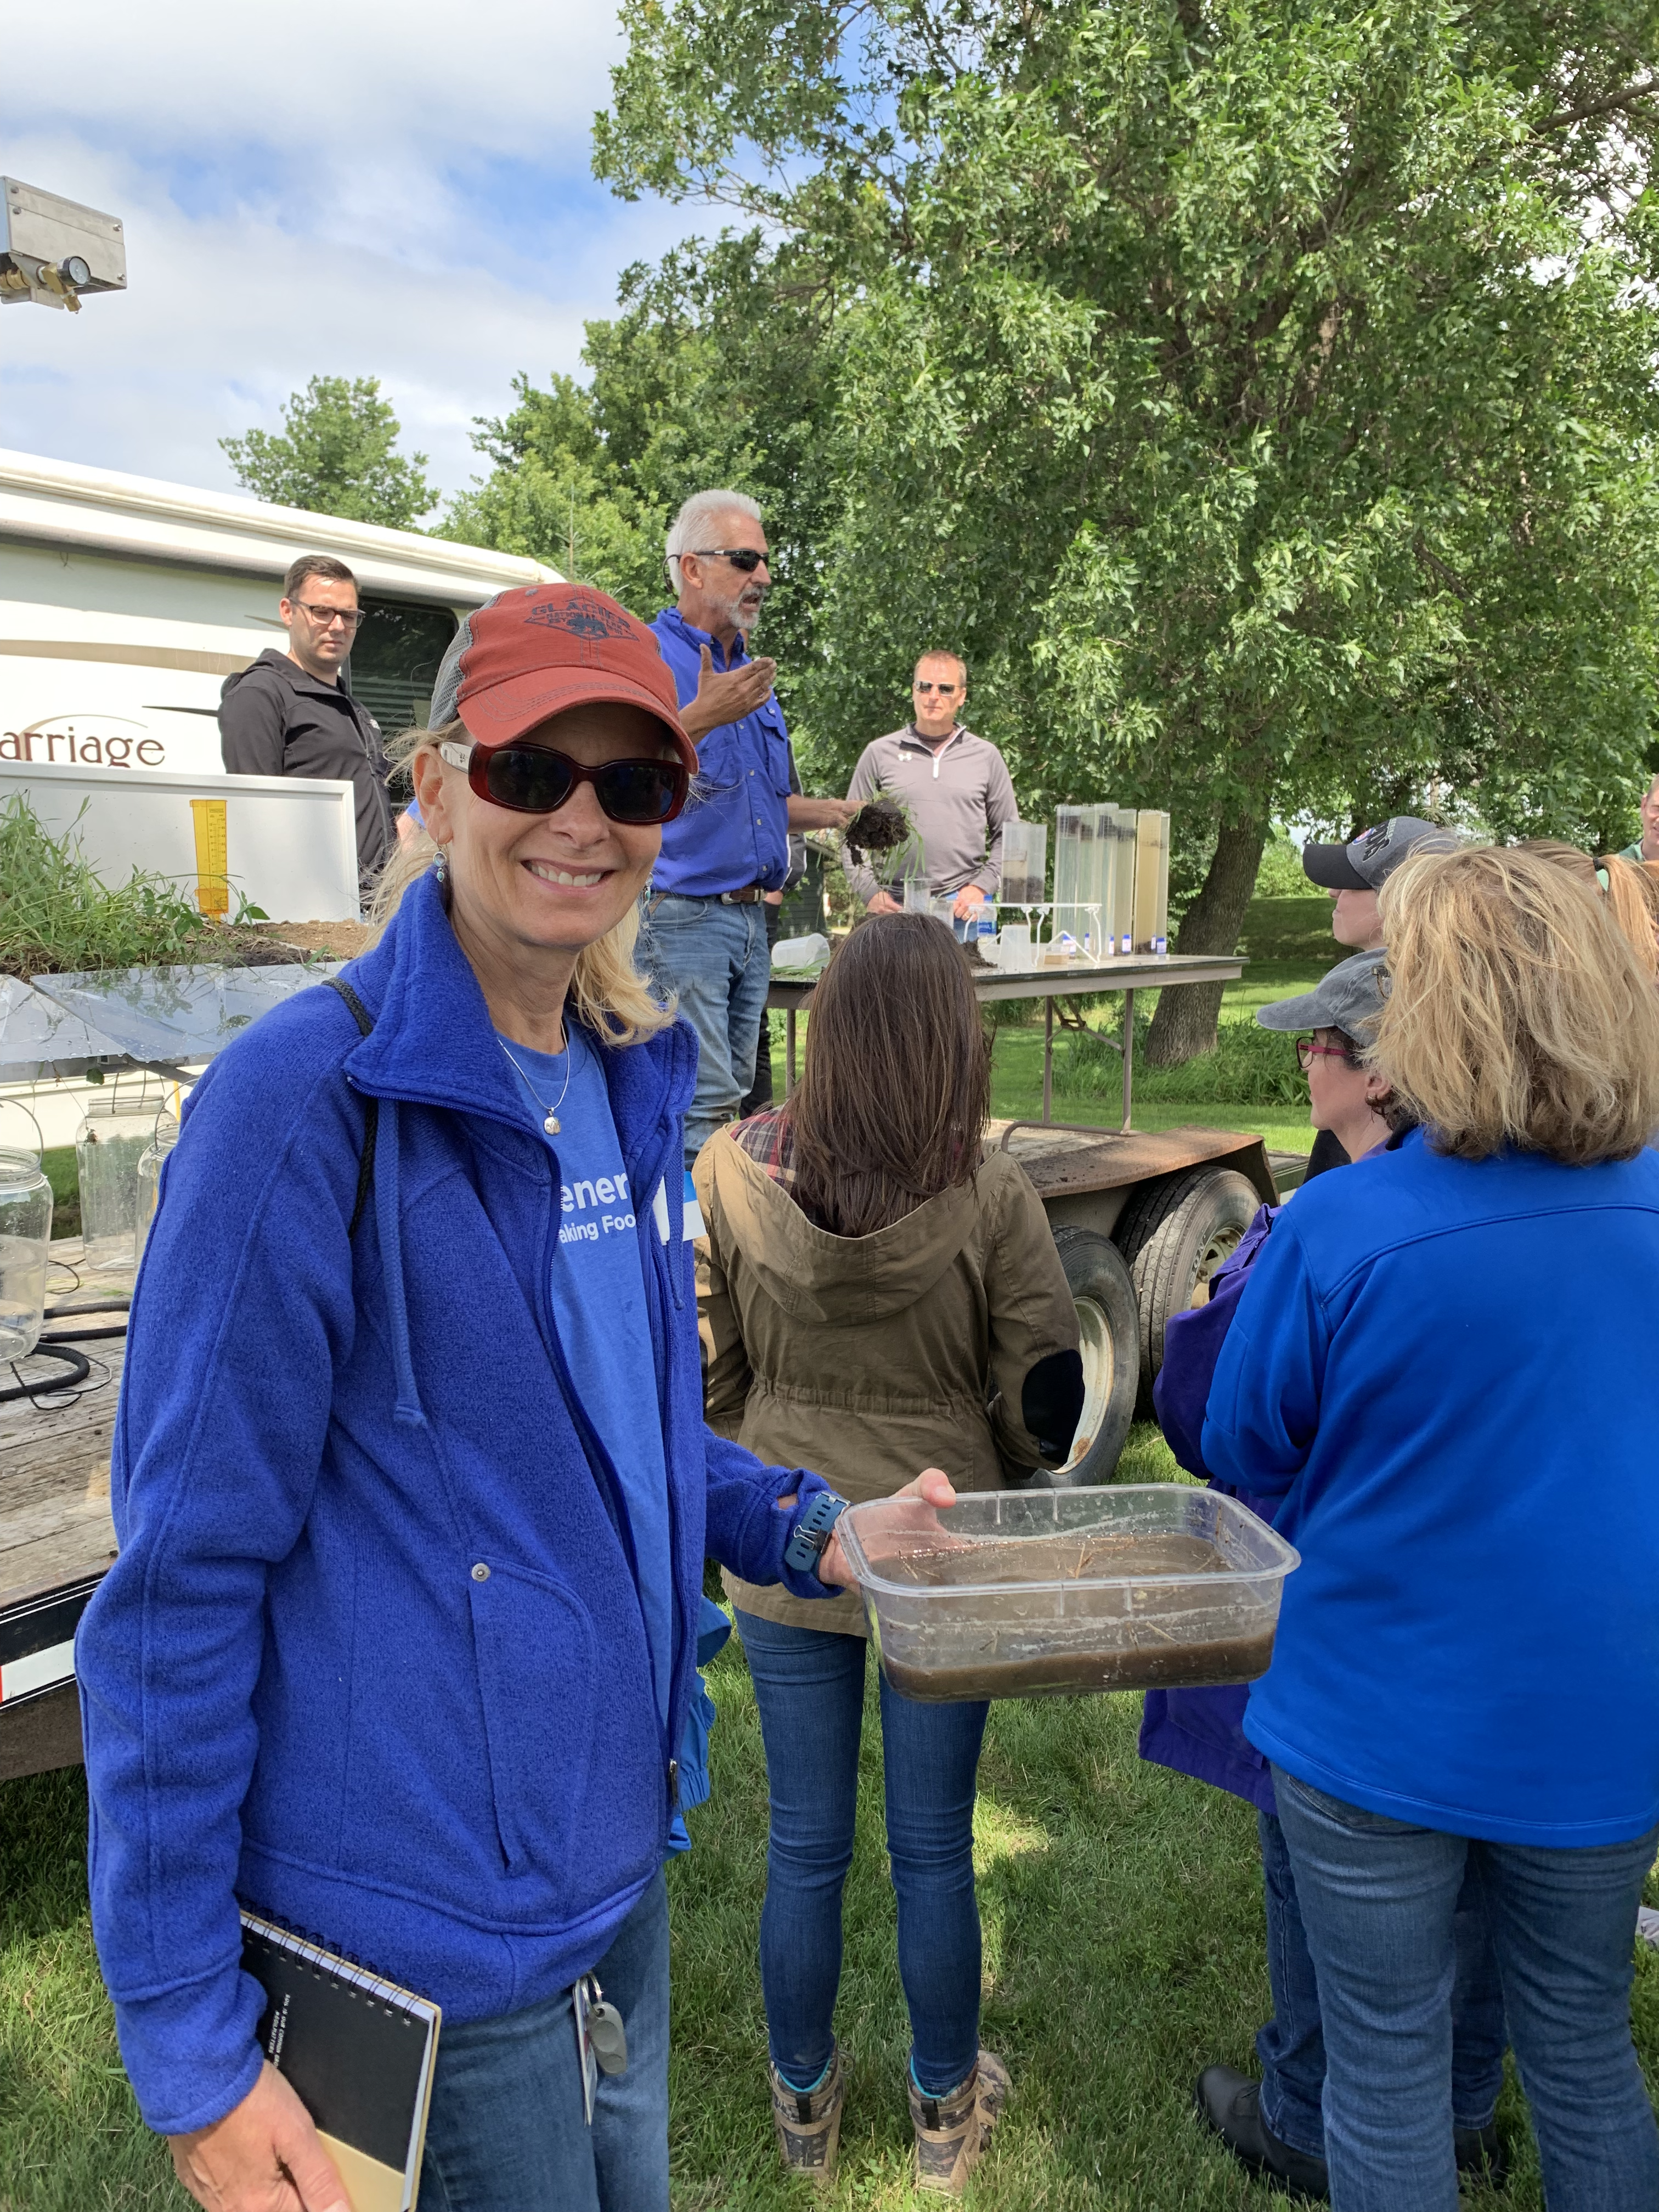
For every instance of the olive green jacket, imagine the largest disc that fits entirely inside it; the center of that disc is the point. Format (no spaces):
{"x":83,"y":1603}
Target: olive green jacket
{"x":868,"y":1358}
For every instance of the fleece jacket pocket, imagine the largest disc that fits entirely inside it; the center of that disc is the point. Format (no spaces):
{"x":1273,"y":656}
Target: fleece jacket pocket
{"x":537,"y":1664}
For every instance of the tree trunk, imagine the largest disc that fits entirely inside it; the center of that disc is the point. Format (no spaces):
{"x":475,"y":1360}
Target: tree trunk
{"x":1185,"y":1023}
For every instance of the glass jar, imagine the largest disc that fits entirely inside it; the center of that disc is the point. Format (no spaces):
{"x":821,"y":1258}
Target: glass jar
{"x":25,"y":1238}
{"x":108,"y":1146}
{"x":150,"y":1164}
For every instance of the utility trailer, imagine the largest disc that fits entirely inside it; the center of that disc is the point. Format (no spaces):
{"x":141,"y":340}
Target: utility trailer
{"x":1142,"y":1218}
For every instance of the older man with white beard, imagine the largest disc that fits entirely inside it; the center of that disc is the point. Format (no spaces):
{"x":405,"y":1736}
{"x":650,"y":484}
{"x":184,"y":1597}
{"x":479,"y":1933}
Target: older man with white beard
{"x":705,"y":913}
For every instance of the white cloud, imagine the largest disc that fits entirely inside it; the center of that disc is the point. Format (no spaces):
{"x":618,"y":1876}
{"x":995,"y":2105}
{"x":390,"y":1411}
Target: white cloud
{"x":401,"y":192}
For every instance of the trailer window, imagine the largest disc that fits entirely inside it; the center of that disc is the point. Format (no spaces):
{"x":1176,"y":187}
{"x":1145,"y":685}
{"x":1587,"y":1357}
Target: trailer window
{"x":394,"y":662}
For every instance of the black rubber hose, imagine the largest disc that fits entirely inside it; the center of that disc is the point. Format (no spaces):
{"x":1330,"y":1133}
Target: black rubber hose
{"x":81,"y":1336}
{"x":77,"y":1363}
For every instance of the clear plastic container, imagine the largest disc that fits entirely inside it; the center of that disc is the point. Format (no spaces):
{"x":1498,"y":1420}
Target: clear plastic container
{"x":25,"y":1246}
{"x":1024,"y":1594}
{"x":150,"y":1163}
{"x":1024,"y":864}
{"x":112,"y":1141}
{"x":1151,"y":927}
{"x":1123,"y":879}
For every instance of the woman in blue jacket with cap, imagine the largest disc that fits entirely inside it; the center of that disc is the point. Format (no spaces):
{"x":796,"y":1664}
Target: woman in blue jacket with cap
{"x":413,"y":1483}
{"x":1428,"y":1374}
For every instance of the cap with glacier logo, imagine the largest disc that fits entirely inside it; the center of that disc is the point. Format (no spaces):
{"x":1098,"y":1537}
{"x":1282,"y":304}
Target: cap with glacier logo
{"x":1367,"y":862}
{"x":530,"y":652}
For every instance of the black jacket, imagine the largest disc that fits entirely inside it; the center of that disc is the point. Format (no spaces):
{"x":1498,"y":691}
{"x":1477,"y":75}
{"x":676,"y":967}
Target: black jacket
{"x":274,"y":720}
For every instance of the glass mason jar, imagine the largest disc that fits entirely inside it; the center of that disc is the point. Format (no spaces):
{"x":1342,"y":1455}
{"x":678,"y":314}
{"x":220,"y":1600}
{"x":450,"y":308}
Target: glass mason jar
{"x":149,"y":1177}
{"x":25,"y":1238}
{"x":112,"y":1141}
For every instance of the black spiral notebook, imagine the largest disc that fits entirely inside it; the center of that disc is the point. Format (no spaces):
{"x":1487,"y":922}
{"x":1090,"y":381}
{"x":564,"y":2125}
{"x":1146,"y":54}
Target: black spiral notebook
{"x":358,"y":2050}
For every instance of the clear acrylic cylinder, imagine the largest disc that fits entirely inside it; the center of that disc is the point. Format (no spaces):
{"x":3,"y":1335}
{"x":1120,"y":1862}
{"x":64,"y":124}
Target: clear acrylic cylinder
{"x":25,"y":1246}
{"x":150,"y":1163}
{"x":1073,"y":857}
{"x":1024,"y":863}
{"x":1123,"y":887}
{"x":1151,"y":925}
{"x":112,"y":1141}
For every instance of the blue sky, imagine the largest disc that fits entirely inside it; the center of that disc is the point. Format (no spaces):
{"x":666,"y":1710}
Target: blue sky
{"x":356,"y":191}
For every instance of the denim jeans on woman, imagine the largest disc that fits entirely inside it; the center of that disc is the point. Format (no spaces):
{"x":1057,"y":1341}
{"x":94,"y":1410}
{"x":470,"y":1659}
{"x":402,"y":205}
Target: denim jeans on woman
{"x":1378,"y":1898}
{"x":809,"y":1687}
{"x":716,"y":959}
{"x":506,"y":2132}
{"x":1291,"y":2046}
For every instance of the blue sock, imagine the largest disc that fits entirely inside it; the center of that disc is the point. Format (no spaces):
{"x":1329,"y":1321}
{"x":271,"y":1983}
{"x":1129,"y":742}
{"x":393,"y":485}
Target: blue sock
{"x":922,"y":2090}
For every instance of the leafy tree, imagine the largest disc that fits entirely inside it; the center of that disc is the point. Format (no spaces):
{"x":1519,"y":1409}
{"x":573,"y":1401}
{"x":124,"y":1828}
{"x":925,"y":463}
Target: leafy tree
{"x":721,"y":369}
{"x":336,"y":456}
{"x":1260,"y":396}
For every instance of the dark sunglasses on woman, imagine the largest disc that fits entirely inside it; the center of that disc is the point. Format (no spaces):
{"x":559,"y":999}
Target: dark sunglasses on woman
{"x":535,"y":780}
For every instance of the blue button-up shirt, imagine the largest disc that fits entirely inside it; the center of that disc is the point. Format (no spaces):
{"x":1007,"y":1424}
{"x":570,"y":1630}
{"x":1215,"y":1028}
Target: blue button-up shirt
{"x":738,"y":833}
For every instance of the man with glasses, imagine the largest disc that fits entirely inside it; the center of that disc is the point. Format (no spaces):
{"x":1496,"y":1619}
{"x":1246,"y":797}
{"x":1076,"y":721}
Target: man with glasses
{"x":289,"y":713}
{"x":705,"y":916}
{"x":955,"y":786}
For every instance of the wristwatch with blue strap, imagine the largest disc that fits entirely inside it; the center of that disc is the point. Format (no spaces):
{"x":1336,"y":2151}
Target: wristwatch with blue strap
{"x":812,"y":1531}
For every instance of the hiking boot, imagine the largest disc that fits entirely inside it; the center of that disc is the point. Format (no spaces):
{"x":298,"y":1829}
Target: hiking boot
{"x":1231,"y":2102}
{"x":953,"y":2130}
{"x":1481,"y":2156}
{"x":808,"y":2122}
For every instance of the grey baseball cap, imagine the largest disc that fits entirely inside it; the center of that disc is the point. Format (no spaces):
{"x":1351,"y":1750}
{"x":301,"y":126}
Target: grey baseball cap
{"x":1350,"y":999}
{"x":1367,"y":861}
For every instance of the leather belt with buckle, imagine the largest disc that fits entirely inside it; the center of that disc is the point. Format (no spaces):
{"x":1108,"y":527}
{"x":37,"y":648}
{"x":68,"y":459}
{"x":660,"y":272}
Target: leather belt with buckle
{"x":739,"y":898}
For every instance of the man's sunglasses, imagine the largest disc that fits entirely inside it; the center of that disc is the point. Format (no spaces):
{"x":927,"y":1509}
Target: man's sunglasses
{"x":742,"y":556}
{"x":945,"y":690}
{"x":535,"y":780}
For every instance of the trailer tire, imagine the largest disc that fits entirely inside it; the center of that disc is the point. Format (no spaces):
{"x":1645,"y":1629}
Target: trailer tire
{"x":1173,"y":1234}
{"x":1109,"y":1327}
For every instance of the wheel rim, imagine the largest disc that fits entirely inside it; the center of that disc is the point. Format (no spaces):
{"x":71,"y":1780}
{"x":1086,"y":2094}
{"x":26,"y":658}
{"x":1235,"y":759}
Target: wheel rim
{"x":1221,"y":1246}
{"x":1095,"y":1344}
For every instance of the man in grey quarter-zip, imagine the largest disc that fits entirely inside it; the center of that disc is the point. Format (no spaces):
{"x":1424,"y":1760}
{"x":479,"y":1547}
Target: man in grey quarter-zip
{"x":955,"y":786}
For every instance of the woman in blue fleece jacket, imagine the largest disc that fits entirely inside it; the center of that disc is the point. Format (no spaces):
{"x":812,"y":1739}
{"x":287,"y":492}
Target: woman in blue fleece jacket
{"x":1430,"y":1367}
{"x":413,"y":1483}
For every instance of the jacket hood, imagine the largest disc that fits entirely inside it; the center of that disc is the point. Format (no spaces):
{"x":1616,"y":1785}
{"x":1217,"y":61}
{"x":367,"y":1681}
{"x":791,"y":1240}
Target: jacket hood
{"x":274,"y":662}
{"x":815,"y":1276}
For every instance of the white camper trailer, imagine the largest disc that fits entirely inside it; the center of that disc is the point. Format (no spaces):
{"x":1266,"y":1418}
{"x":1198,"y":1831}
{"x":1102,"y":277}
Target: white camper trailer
{"x":124,"y":604}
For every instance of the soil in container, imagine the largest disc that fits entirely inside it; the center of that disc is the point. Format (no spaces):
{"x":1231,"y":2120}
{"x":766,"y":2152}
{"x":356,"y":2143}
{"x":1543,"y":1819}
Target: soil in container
{"x":1157,"y":1657}
{"x":1186,"y":1666}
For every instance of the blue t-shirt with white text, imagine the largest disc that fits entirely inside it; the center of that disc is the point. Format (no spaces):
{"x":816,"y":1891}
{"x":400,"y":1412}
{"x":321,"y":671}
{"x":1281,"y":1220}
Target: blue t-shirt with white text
{"x":598,"y":1296}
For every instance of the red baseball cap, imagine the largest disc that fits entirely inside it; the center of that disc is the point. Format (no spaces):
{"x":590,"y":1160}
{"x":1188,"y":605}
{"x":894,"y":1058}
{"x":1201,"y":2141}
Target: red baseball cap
{"x":529,"y":654}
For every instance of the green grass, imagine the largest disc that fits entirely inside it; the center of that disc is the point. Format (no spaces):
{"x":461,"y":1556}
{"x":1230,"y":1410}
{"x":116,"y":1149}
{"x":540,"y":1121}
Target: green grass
{"x":1123,"y":1951}
{"x":64,"y":1175}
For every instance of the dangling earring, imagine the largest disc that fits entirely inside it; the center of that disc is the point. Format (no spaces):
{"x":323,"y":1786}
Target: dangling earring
{"x":440,"y":865}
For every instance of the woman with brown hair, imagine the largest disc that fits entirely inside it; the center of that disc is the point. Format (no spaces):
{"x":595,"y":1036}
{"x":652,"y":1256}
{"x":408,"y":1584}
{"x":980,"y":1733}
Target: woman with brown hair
{"x":879,"y":1288}
{"x":1430,"y":1369}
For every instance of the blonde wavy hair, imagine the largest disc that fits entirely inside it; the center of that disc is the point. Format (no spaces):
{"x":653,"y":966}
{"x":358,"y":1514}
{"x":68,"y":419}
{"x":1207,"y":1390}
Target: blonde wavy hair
{"x":1519,"y":1012}
{"x":611,"y":997}
{"x":1632,"y":891}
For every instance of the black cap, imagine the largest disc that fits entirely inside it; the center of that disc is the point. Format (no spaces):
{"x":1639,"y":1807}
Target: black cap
{"x":1366,"y":862}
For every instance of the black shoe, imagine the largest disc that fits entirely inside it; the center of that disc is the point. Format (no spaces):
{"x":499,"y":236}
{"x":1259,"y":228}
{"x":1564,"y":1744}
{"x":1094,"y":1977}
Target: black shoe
{"x":1231,"y":2102}
{"x":1480,"y":2155}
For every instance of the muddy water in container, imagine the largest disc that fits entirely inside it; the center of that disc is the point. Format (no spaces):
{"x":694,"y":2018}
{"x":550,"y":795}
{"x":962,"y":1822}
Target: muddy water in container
{"x":1122,"y":1586}
{"x":25,"y":1246}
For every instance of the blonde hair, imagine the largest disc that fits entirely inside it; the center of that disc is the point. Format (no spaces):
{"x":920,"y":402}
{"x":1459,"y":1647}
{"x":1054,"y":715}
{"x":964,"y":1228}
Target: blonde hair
{"x":1632,"y":893}
{"x":609,"y":995}
{"x":1519,"y":1012}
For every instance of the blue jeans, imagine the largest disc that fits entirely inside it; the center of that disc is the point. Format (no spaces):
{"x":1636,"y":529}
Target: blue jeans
{"x":1378,"y":1898}
{"x":715,"y":958}
{"x":808,"y":1686}
{"x":1291,"y":2046}
{"x":506,"y":2132}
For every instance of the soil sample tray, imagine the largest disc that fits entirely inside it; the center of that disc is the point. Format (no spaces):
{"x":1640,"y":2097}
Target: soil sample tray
{"x":1043,"y":1593}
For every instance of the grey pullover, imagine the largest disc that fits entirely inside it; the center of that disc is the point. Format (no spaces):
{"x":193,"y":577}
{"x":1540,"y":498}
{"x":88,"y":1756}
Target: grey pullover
{"x":959,"y":799}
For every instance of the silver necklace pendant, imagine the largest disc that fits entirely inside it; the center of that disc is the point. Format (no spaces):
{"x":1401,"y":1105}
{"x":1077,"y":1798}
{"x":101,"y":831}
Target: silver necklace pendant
{"x":551,"y":1125}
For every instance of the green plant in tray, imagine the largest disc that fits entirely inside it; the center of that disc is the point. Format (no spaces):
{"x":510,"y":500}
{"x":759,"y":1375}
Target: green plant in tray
{"x":58,"y":915}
